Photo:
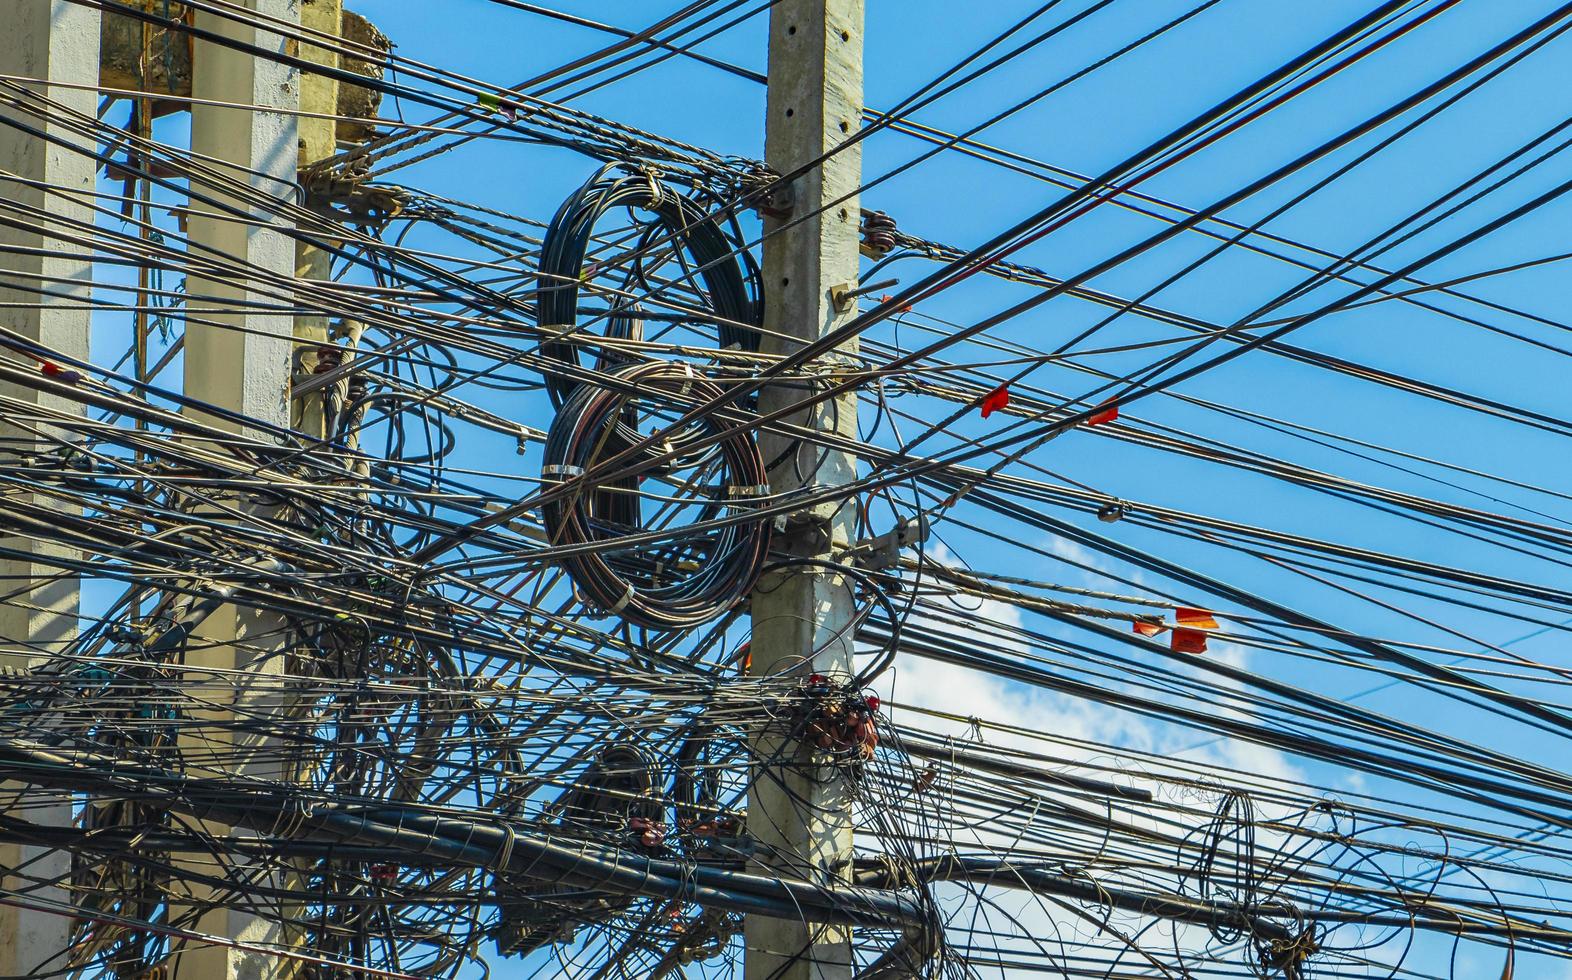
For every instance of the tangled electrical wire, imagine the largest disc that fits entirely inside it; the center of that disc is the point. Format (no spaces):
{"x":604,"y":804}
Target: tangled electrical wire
{"x":358,"y":669}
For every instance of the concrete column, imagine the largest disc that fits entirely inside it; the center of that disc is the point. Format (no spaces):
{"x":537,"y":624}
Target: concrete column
{"x":240,"y":361}
{"x":57,"y":41}
{"x":244,"y":369}
{"x":815,"y":102}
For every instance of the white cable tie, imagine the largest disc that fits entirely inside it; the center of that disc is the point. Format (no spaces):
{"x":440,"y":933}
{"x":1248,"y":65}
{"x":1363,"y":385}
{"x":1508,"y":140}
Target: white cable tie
{"x":561,"y":469}
{"x":687,"y":378}
{"x":621,"y":604}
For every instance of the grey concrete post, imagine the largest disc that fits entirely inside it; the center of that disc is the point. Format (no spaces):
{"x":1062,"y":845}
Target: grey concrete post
{"x":814,"y":103}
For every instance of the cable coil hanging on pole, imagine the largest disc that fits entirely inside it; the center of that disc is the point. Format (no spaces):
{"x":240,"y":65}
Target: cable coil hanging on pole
{"x":712,"y":262}
{"x":669,"y":585}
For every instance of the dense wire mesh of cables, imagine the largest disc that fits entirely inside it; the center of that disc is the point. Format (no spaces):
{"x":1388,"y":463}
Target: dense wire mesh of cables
{"x":443,"y":669}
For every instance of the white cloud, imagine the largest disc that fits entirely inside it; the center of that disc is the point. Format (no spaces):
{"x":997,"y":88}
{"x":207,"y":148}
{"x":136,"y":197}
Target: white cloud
{"x":1107,"y":734}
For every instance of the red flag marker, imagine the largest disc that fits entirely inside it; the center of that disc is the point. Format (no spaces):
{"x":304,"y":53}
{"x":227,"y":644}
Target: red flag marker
{"x":1196,"y":619}
{"x":1148,"y":629}
{"x":1106,"y":415}
{"x":995,"y":400}
{"x":56,"y":371}
{"x":1188,"y":641}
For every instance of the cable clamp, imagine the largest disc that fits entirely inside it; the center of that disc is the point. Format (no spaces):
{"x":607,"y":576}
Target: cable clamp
{"x":657,"y":189}
{"x":884,"y":550}
{"x":756,"y":490}
{"x":561,"y":469}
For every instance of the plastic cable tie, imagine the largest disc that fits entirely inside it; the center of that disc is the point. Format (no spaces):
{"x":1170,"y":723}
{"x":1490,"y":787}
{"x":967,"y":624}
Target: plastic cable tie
{"x":621,"y":604}
{"x":756,"y":490}
{"x":561,"y":469}
{"x":687,"y":377}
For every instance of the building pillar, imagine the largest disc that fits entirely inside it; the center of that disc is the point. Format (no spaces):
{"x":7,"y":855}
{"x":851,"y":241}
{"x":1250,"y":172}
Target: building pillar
{"x":240,"y":359}
{"x":55,"y":41}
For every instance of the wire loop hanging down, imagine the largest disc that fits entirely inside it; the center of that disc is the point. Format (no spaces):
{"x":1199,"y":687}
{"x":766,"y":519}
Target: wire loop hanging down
{"x":690,"y":579}
{"x":708,"y":260}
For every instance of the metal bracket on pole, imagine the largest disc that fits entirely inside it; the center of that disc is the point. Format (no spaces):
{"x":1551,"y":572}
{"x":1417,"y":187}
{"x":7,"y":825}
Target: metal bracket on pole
{"x":808,"y":531}
{"x":884,"y":550}
{"x":845,"y":295}
{"x":779,"y":200}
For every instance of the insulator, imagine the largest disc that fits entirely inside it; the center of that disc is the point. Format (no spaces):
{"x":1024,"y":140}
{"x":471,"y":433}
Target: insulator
{"x":878,"y":233}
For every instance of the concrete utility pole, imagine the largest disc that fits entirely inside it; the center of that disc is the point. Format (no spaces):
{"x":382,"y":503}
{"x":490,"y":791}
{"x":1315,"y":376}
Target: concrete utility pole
{"x":815,"y":103}
{"x":58,"y":41}
{"x":239,"y":358}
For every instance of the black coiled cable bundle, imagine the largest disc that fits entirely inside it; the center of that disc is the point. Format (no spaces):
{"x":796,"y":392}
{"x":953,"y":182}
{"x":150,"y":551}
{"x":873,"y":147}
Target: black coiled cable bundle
{"x":711,"y":260}
{"x":688,"y":579}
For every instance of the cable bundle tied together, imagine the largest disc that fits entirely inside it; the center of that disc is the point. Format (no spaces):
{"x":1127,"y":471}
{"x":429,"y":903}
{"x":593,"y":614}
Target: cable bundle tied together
{"x":712,"y":262}
{"x":670,"y":584}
